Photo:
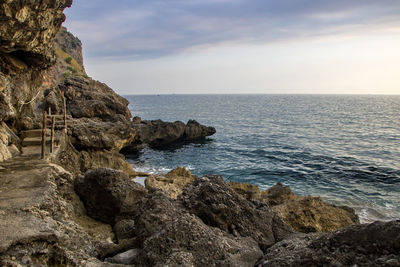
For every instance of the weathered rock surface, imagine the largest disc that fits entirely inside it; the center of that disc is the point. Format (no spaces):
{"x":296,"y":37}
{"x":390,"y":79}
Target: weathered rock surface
{"x":28,"y":29}
{"x":42,"y":221}
{"x":87,"y":98}
{"x":157,"y":133}
{"x":214,"y":202}
{"x":108,"y":193}
{"x":170,"y":235}
{"x":376,"y":244}
{"x":172,"y":183}
{"x":304,"y":214}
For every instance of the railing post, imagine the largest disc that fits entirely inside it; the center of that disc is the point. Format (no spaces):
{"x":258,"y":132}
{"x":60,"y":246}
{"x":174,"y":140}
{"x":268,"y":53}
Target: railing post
{"x":44,"y":135}
{"x":53,"y":122}
{"x":65,"y":113}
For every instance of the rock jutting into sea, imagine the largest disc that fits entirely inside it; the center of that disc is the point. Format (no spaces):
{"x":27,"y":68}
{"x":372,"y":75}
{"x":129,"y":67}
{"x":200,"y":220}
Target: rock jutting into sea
{"x":80,"y":207}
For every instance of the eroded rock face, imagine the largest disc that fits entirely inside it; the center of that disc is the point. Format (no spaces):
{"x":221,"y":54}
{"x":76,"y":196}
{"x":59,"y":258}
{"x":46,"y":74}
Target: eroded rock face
{"x":87,"y":98}
{"x":28,"y":29}
{"x":170,"y":235}
{"x":304,"y":214}
{"x":376,"y":244}
{"x":157,"y":133}
{"x":172,"y":183}
{"x":217,"y":205}
{"x":108,"y":193}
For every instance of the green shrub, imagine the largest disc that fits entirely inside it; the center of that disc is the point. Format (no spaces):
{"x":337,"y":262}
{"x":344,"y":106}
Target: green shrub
{"x":72,"y":69}
{"x":68,"y":60}
{"x":66,"y":75}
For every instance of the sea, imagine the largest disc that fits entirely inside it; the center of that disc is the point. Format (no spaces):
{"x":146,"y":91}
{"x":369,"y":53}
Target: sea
{"x":344,"y":148}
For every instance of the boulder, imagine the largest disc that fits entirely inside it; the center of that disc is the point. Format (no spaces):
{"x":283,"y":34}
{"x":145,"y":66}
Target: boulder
{"x":376,"y":244}
{"x":194,"y":130}
{"x":90,"y":134}
{"x":248,"y":191}
{"x":157,"y":133}
{"x":108,"y":193}
{"x":172,"y":183}
{"x":305,"y":214}
{"x":171,"y":236}
{"x":217,"y":205}
{"x":312,"y":214}
{"x":87,"y":98}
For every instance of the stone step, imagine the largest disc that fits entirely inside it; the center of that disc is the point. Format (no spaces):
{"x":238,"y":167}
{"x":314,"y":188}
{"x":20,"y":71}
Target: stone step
{"x":32,"y":133}
{"x":37,"y":141}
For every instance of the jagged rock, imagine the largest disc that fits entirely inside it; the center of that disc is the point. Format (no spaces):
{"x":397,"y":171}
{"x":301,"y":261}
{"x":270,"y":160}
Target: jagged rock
{"x":376,"y":244}
{"x":157,"y":133}
{"x":87,"y":98}
{"x":69,"y":62}
{"x":304,"y":214}
{"x":124,"y":229}
{"x":169,"y":234}
{"x":172,"y":183}
{"x":108,"y":193}
{"x":91,"y":134}
{"x":28,"y":28}
{"x":312,"y":214}
{"x":211,"y":199}
{"x":136,"y":120}
{"x":194,"y":130}
{"x":248,"y":191}
{"x":278,"y":194}
{"x":92,"y":159}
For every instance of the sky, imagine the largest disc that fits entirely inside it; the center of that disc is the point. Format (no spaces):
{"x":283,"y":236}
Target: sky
{"x":240,"y":46}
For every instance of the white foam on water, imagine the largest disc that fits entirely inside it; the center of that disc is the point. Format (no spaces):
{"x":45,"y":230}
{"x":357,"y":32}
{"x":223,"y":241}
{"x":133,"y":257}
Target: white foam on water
{"x":139,"y":180}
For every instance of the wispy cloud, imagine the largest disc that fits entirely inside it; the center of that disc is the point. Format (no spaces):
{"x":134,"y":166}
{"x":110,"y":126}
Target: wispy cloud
{"x":154,"y":28}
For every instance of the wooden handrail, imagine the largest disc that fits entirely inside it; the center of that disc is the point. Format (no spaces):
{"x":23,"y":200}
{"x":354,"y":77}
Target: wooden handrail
{"x":53,"y":118}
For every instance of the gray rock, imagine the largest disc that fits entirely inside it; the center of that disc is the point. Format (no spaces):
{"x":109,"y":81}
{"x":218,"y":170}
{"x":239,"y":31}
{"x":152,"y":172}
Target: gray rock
{"x":126,"y":257}
{"x":169,"y":234}
{"x":87,"y":98}
{"x":361,"y":245}
{"x":108,"y":193}
{"x":217,"y":205}
{"x":124,"y":229}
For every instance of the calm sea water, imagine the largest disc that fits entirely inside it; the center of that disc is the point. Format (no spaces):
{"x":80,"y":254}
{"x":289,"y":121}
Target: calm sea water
{"x":343,"y":148}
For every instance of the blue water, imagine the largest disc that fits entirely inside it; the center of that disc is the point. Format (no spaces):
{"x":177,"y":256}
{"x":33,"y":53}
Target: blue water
{"x":343,"y":148}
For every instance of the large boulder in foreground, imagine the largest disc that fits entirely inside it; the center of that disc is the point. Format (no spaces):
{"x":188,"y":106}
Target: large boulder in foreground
{"x":304,"y":213}
{"x":376,"y":244}
{"x":108,"y":193}
{"x":172,"y":183}
{"x":170,"y":236}
{"x":213,"y":201}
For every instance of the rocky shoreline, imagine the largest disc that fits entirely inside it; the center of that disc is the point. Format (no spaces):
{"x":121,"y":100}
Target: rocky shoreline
{"x":81,"y":207}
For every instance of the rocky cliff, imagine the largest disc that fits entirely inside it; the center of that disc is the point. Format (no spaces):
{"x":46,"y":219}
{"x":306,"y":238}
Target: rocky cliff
{"x":65,"y":211}
{"x":27,"y":31}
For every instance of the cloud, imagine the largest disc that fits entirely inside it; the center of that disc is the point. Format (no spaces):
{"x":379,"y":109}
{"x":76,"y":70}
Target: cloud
{"x":154,"y":28}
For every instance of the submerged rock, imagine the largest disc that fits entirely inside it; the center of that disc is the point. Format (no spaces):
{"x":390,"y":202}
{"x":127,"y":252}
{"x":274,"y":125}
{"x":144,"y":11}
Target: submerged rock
{"x":217,"y":205}
{"x":108,"y":193}
{"x":172,"y":183}
{"x":376,"y":244}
